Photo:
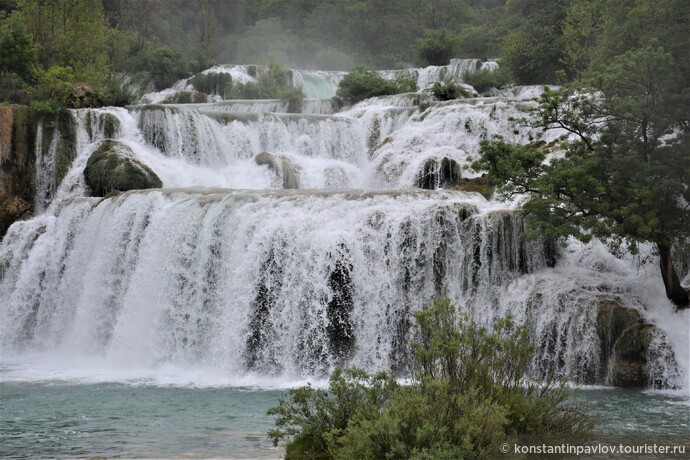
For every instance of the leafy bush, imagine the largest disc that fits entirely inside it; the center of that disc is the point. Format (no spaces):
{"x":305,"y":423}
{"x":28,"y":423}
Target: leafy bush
{"x":485,"y":79}
{"x":17,"y":50}
{"x":363,"y":83}
{"x":468,"y":392}
{"x":448,"y":90}
{"x":405,"y":82}
{"x":436,"y":47}
{"x":164,"y":65}
{"x":212,"y":83}
{"x":117,"y":94}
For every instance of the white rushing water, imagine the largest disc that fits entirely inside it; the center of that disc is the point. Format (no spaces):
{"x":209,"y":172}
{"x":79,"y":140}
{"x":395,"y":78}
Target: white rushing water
{"x":224,"y":277}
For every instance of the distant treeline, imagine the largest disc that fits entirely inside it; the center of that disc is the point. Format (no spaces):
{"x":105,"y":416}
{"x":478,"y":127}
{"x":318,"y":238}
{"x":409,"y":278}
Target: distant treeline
{"x":47,"y":46}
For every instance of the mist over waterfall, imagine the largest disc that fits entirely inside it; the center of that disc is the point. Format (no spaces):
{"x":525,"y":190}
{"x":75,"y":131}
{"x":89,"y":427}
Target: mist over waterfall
{"x":284,"y":244}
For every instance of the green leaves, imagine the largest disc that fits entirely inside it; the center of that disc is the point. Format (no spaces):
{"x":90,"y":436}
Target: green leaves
{"x":468,"y":392}
{"x":362,"y":83}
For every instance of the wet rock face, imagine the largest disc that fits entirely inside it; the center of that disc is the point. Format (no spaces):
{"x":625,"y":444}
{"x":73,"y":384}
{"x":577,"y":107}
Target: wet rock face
{"x":612,"y":321}
{"x":444,"y":173}
{"x":112,"y":167}
{"x":631,"y":355}
{"x":17,"y":165}
{"x":632,"y":352}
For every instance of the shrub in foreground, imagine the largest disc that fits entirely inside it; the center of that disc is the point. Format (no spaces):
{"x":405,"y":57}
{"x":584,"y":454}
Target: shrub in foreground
{"x":468,"y":393}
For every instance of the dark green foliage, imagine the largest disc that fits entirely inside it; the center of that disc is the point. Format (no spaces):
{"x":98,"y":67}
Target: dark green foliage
{"x":627,"y":172}
{"x":112,"y":167}
{"x":117,"y":94}
{"x":484,"y":79}
{"x":467,"y":395}
{"x":436,"y":47}
{"x":363,"y":83}
{"x":447,"y":90}
{"x":164,"y":65}
{"x":17,"y":50}
{"x":186,"y":97}
{"x":212,"y":83}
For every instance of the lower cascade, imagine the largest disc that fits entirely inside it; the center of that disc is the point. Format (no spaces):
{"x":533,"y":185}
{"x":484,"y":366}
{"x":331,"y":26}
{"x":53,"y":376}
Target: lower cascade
{"x":284,"y":245}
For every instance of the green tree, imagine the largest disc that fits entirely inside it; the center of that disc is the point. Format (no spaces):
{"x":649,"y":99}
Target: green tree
{"x":363,"y":83}
{"x":17,"y":51}
{"x":70,"y":33}
{"x":468,"y":392}
{"x":625,"y":177}
{"x":437,"y":47}
{"x":533,"y":49}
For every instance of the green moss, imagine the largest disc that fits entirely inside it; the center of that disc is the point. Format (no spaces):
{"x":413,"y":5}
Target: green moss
{"x":111,"y":125}
{"x":112,"y":168}
{"x":186,"y":97}
{"x":67,"y":144}
{"x":24,"y":152}
{"x":479,"y":185}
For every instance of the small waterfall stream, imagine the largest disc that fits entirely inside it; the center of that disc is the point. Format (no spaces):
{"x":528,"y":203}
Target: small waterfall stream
{"x":224,"y":269}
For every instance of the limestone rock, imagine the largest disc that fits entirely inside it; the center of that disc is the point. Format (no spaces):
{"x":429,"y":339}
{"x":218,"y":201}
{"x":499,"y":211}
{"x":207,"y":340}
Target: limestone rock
{"x":282,"y":166}
{"x":113,"y":167}
{"x":630,"y":366}
{"x":612,"y":320}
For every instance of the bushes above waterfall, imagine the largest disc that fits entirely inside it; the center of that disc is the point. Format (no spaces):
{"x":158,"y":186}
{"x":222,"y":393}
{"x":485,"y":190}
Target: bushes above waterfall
{"x":363,"y":83}
{"x":273,"y":82}
{"x":467,"y":395}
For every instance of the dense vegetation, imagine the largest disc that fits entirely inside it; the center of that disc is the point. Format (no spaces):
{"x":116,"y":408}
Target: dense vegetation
{"x":625,"y":175}
{"x":51,"y":45}
{"x":468,"y":394}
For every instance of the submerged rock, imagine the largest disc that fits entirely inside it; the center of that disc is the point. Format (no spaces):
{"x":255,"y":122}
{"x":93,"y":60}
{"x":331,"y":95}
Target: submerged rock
{"x":113,"y":167}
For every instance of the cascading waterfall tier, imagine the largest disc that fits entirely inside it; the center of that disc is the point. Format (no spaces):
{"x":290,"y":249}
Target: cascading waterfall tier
{"x":267,"y":281}
{"x":275,"y":282}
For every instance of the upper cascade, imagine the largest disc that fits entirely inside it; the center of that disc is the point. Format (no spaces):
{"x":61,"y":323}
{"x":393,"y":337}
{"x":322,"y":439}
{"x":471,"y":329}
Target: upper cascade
{"x":321,"y":84}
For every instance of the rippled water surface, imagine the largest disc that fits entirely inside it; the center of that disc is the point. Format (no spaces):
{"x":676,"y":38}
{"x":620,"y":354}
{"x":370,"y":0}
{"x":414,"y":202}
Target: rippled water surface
{"x":115,"y":420}
{"x":60,"y":419}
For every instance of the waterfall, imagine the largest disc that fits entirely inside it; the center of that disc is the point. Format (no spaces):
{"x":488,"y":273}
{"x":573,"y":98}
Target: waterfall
{"x":286,"y":244}
{"x":273,"y":269}
{"x":45,"y":169}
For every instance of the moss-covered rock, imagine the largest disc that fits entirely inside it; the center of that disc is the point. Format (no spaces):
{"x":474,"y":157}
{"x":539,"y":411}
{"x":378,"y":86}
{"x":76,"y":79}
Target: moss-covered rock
{"x":477,"y":184}
{"x":113,"y":167}
{"x":17,"y":165}
{"x":630,"y":366}
{"x":186,"y":97}
{"x":107,"y":123}
{"x":67,"y":144}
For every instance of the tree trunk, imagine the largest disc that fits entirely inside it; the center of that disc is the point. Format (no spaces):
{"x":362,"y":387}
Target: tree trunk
{"x":674,"y":291}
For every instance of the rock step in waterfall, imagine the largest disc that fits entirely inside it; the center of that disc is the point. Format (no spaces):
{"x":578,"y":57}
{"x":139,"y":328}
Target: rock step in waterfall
{"x":286,"y":244}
